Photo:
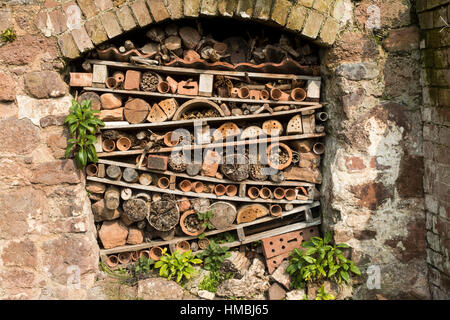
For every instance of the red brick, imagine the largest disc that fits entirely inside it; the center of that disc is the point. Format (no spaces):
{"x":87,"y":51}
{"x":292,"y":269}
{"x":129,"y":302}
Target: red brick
{"x":157,"y":162}
{"x":405,"y":39}
{"x":274,"y":246}
{"x":82,"y":39}
{"x":132,"y":80}
{"x":210,"y":163}
{"x":80,"y":79}
{"x":141,"y":13}
{"x":354,"y":163}
{"x":103,"y":4}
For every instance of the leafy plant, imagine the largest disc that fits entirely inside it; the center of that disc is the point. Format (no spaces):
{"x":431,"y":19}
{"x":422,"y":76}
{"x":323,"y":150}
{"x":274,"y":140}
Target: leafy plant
{"x":323,"y":295}
{"x":177,"y":265}
{"x":205,"y":217}
{"x":82,"y":125}
{"x":212,"y":281}
{"x":120,"y":273}
{"x":224,"y":238}
{"x":214,"y":255}
{"x":8,"y":35}
{"x":320,"y":260}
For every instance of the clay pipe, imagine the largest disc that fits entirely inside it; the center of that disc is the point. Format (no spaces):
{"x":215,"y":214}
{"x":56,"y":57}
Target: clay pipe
{"x":265,"y":193}
{"x":235,"y":92}
{"x":108,"y":145}
{"x":198,"y":187}
{"x":322,"y":116}
{"x":123,"y":144}
{"x":278,"y":95}
{"x":111,"y":83}
{"x":145,"y":253}
{"x":134,"y":256}
{"x":279,"y":193}
{"x":231,"y":190}
{"x":124,"y":257}
{"x":290,"y":194}
{"x":163,"y":87}
{"x":185,"y":186}
{"x":298,"y":94}
{"x":119,"y":76}
{"x":91,"y":169}
{"x":219,"y":190}
{"x":275,"y":210}
{"x":318,"y":148}
{"x":244,"y":93}
{"x":163,"y":182}
{"x":264,"y":94}
{"x":253,"y":192}
{"x":112,"y":261}
{"x":183,"y":246}
{"x":155,"y":253}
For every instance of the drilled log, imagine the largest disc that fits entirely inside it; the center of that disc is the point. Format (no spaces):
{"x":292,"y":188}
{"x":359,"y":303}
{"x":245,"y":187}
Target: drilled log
{"x":145,"y":179}
{"x":135,"y":209}
{"x":126,"y":193}
{"x":101,"y":213}
{"x":136,"y":111}
{"x":224,"y":214}
{"x":113,"y":172}
{"x":112,"y":198}
{"x":130,"y":175}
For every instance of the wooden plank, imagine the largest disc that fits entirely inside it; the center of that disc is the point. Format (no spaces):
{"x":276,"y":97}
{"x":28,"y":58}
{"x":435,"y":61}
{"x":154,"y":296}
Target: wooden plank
{"x":183,"y":123}
{"x":192,"y":194}
{"x":213,"y":145}
{"x":182,"y":96}
{"x":240,"y":233}
{"x":313,"y":89}
{"x":208,"y":233}
{"x":184,"y":71}
{"x":205,"y":178}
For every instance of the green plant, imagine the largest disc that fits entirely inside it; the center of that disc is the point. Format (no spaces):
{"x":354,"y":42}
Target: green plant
{"x":224,"y":238}
{"x":320,"y":260}
{"x":177,"y":265}
{"x":82,"y":125}
{"x":204,"y":217}
{"x":212,"y":281}
{"x":121,"y":273}
{"x":323,"y":295}
{"x":214,"y":255}
{"x":8,"y":35}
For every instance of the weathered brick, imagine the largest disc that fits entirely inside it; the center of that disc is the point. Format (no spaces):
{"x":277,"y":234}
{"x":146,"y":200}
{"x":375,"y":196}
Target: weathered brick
{"x":245,"y":8}
{"x":111,"y":24}
{"x":296,"y":18}
{"x":209,"y":7}
{"x":313,"y":24}
{"x":444,"y":94}
{"x":96,"y":31}
{"x":73,"y":15}
{"x":158,"y":10}
{"x":59,"y":21}
{"x":404,"y":39}
{"x":88,"y":7}
{"x":338,"y":10}
{"x":103,"y":4}
{"x":329,"y":31}
{"x":227,"y":8}
{"x":125,"y":18}
{"x":440,"y":77}
{"x":175,"y":8}
{"x":68,"y":46}
{"x":439,"y":17}
{"x":82,"y":39}
{"x":322,"y":5}
{"x":428,"y":58}
{"x":141,"y":13}
{"x":280,"y":11}
{"x":306,"y":3}
{"x":440,"y":58}
{"x":191,"y":8}
{"x":262,"y":9}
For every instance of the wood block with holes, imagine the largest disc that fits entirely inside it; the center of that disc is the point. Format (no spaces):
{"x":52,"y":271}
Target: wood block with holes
{"x":274,"y":262}
{"x":156,"y":114}
{"x":272,"y":128}
{"x":295,"y":125}
{"x":228,"y":129}
{"x":308,"y":122}
{"x":277,"y":245}
{"x":169,"y":106}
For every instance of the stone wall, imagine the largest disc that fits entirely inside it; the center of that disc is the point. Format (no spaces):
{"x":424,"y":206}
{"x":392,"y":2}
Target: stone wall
{"x":435,"y":49}
{"x":374,"y":164}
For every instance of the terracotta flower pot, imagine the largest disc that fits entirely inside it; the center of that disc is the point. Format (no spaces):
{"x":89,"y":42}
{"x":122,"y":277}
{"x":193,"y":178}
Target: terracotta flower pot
{"x":163,"y":87}
{"x":231,"y":190}
{"x":244,"y":93}
{"x":123,"y":144}
{"x":183,"y":246}
{"x":253,"y":192}
{"x":108,"y":145}
{"x":275,"y":164}
{"x":275,"y":210}
{"x":265,"y":95}
{"x":111,"y":83}
{"x":279,"y":193}
{"x":155,"y":253}
{"x":124,"y":257}
{"x":219,"y":190}
{"x":134,"y":256}
{"x":318,"y":148}
{"x":278,"y":95}
{"x":169,"y":139}
{"x":112,"y":261}
{"x":91,"y":169}
{"x":185,"y":186}
{"x":198,"y":187}
{"x":265,"y":193}
{"x":190,"y":224}
{"x":290,"y":194}
{"x":203,"y":243}
{"x":163,"y":182}
{"x":298,"y":94}
{"x":145,"y":253}
{"x":184,"y":204}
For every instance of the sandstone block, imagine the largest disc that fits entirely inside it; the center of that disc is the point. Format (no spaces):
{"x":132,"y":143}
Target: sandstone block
{"x":44,"y":84}
{"x":312,"y":25}
{"x":110,"y":101}
{"x":113,"y":234}
{"x":191,"y":8}
{"x":111,"y":24}
{"x":296,"y":18}
{"x":7,"y":88}
{"x":405,"y":39}
{"x":280,"y":11}
{"x":125,"y":18}
{"x":141,"y":13}
{"x":135,"y":236}
{"x":329,"y":31}
{"x":209,"y":7}
{"x":175,"y":8}
{"x":82,"y":40}
{"x":68,"y":46}
{"x":158,"y":10}
{"x":244,"y":8}
{"x":96,"y":31}
{"x":262,"y":9}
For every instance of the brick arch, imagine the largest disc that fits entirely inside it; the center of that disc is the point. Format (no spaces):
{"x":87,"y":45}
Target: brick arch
{"x":82,"y":24}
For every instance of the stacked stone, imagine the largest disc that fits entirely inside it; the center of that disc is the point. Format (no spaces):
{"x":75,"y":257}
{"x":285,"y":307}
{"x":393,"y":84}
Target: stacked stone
{"x":435,"y":49}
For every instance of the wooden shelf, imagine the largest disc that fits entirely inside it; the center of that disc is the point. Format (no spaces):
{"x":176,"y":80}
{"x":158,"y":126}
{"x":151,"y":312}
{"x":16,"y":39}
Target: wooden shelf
{"x":248,"y":239}
{"x":194,"y":194}
{"x":208,"y":179}
{"x":184,"y":71}
{"x":123,"y":125}
{"x":213,"y":145}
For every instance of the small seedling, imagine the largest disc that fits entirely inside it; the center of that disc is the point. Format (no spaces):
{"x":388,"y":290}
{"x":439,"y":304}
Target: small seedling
{"x":8,"y":35}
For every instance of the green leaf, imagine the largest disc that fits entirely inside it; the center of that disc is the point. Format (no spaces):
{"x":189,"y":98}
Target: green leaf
{"x":345,"y":276}
{"x":355,"y":269}
{"x":310,"y":251}
{"x":328,"y":237}
{"x":68,"y":149}
{"x":309,"y":259}
{"x":343,"y":245}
